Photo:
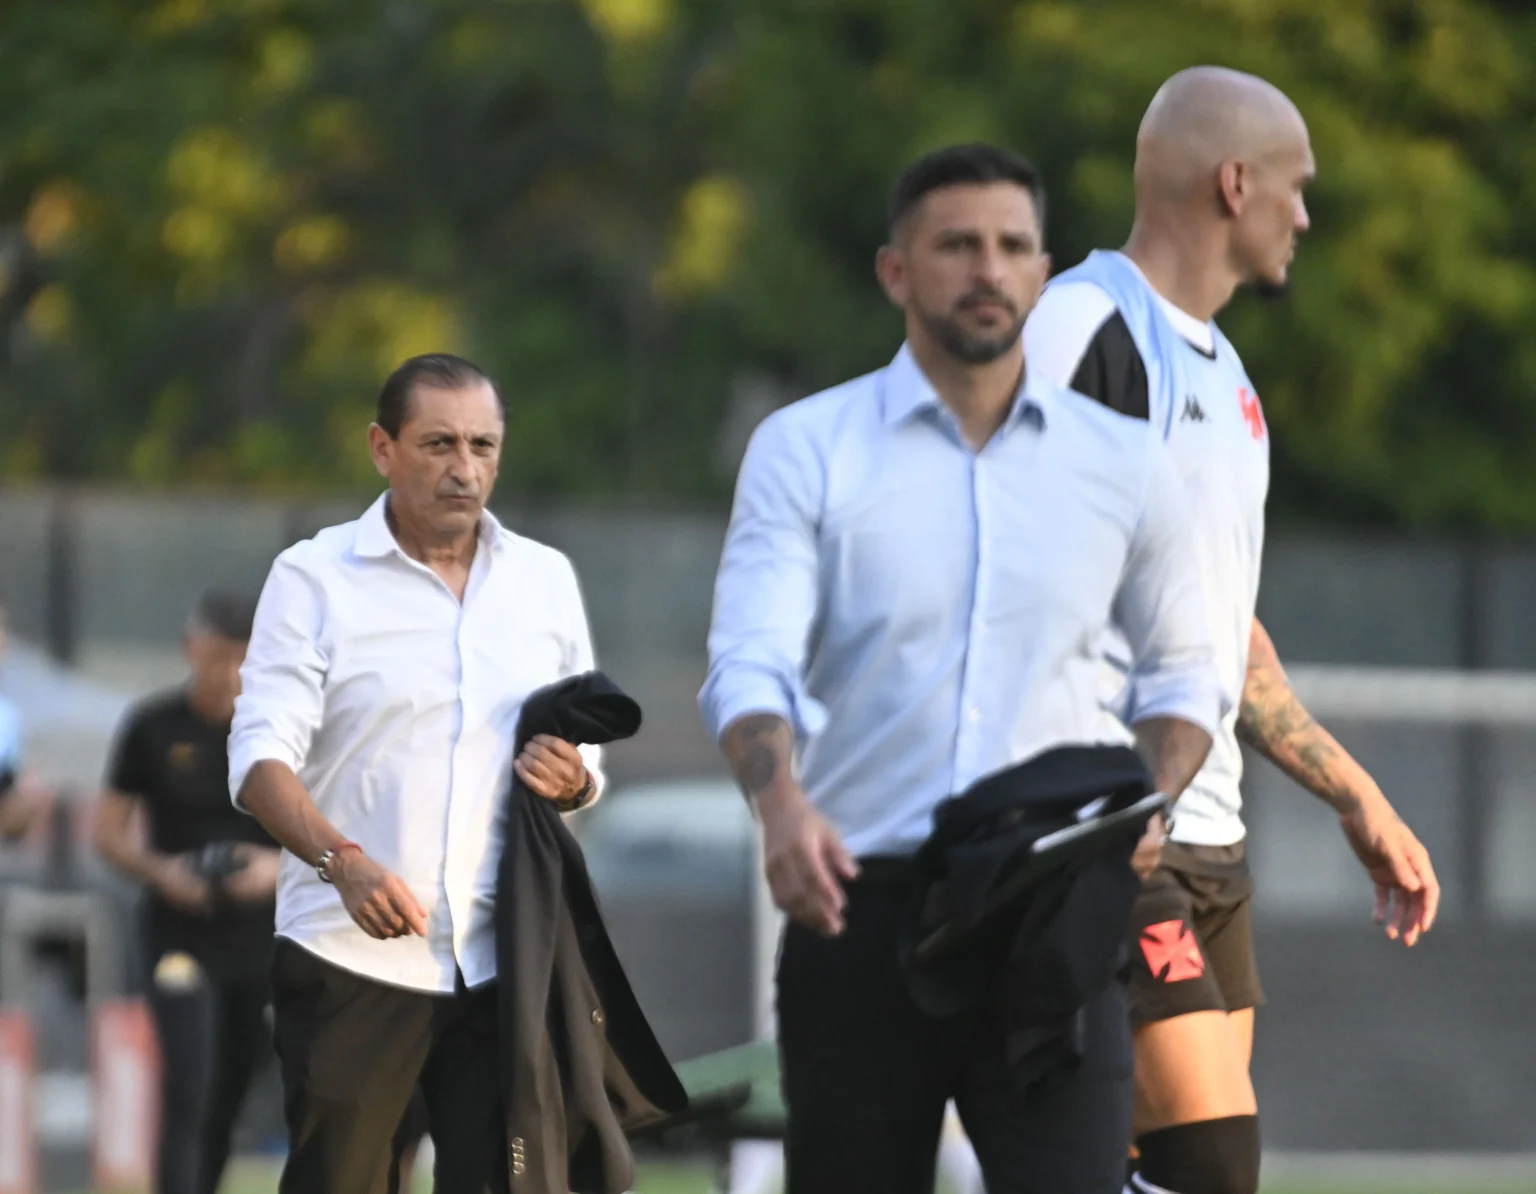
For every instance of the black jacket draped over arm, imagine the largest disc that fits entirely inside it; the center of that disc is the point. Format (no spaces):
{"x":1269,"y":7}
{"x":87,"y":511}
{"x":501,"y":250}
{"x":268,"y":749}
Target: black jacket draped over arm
{"x":1025,"y":895}
{"x":580,"y":1064}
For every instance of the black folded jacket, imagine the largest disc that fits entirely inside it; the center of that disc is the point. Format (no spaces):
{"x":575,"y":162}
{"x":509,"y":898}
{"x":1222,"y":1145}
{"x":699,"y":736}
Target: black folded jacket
{"x":1024,"y":894}
{"x":580,"y":1064}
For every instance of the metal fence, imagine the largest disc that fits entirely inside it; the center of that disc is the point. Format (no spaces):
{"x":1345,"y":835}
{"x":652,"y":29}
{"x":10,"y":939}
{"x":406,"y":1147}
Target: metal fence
{"x":1363,"y":1045}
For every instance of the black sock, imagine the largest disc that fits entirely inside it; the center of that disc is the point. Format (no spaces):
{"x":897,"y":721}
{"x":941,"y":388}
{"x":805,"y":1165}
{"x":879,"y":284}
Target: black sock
{"x":1214,"y":1156}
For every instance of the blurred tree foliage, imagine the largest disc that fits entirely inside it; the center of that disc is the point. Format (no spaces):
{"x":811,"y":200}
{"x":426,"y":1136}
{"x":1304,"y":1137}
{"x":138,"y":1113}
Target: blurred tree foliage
{"x":222,"y":221}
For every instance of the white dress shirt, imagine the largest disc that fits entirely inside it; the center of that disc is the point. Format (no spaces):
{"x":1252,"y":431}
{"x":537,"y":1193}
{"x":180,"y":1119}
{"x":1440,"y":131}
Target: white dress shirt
{"x":924,"y":614}
{"x":396,"y":705}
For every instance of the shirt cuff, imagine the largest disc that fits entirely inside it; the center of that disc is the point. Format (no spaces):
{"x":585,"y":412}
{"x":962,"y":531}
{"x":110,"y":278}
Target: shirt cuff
{"x":1192,"y":694}
{"x":730,"y":696}
{"x":244,"y":756}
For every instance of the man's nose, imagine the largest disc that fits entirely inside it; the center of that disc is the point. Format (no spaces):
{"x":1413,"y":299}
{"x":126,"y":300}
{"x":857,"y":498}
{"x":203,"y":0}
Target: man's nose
{"x":991,"y":266}
{"x":461,"y":465}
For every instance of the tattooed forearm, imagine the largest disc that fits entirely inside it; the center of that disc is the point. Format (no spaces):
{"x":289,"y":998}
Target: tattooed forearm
{"x":1273,"y":721}
{"x":759,"y":749}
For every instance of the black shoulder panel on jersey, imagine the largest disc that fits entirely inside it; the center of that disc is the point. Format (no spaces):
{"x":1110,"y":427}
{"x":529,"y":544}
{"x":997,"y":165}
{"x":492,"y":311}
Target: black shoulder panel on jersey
{"x":1111,"y":370}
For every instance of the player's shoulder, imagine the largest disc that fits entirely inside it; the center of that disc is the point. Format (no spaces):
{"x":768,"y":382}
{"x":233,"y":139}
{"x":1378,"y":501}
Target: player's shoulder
{"x":1071,"y":306}
{"x":1111,"y":432}
{"x":1077,"y":337}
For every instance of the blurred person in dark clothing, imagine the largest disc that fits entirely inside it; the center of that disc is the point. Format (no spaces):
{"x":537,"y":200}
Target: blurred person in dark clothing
{"x":210,"y":877}
{"x":23,"y":798}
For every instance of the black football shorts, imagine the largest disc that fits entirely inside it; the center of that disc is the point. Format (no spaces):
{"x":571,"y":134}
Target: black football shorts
{"x":1192,"y":935}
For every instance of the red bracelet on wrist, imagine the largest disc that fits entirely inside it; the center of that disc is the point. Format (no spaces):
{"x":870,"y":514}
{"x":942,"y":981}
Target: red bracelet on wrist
{"x":323,"y":863}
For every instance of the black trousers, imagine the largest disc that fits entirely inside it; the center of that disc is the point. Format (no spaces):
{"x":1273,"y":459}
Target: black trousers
{"x":353,"y":1051}
{"x":867,"y":1075}
{"x":212,"y":1034}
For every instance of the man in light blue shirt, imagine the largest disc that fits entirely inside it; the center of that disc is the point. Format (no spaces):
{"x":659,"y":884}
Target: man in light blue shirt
{"x":22,"y":798}
{"x":918,"y":567}
{"x":10,"y":744}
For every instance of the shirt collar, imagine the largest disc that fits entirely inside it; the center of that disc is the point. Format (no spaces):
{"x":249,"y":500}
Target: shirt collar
{"x":907,"y":391}
{"x":374,"y":538}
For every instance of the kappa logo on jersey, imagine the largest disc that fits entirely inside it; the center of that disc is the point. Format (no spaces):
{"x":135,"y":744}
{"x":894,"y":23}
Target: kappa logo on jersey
{"x":1193,"y":411}
{"x":1253,"y":414}
{"x":1171,"y":951}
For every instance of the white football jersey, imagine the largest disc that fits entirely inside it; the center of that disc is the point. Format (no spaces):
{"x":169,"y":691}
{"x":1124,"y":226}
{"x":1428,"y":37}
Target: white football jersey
{"x":1077,"y":337}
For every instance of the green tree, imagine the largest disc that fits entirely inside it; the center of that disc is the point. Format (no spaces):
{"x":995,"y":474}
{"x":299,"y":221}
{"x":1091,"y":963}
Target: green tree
{"x":224,"y":220}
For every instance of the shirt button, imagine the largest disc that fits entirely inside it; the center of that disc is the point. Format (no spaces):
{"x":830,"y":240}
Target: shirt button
{"x":973,"y":715}
{"x":597,"y":1017}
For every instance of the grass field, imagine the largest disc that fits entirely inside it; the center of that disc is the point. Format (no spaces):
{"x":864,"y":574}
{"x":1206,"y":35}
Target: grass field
{"x":249,"y":1177}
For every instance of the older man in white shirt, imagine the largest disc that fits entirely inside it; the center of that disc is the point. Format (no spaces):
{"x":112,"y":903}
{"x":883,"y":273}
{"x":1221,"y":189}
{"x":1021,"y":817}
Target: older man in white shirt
{"x":374,"y":738}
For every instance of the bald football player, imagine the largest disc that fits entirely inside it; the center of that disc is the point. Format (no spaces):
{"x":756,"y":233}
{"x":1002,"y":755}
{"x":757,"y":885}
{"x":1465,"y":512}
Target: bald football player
{"x":1222,"y":162}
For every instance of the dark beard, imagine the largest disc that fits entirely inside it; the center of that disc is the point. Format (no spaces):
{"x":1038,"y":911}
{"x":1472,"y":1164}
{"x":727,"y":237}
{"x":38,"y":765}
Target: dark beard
{"x":1270,"y":291}
{"x":972,"y":350}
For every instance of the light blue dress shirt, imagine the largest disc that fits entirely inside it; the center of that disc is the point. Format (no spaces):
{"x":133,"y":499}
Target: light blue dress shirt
{"x":924,"y":614}
{"x":10,"y":737}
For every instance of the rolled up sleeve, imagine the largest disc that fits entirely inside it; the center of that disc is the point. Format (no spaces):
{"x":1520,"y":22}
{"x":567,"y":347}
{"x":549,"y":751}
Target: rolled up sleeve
{"x":1161,"y":610}
{"x":765,"y":591}
{"x":282,"y":680}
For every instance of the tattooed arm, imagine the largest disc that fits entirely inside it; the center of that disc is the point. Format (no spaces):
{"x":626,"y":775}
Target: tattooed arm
{"x":804,"y":857}
{"x":760,"y":749}
{"x":754,"y":699}
{"x":1274,"y":722}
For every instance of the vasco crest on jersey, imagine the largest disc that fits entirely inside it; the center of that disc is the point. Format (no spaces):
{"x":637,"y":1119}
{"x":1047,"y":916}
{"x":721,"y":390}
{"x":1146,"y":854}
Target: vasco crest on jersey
{"x":1253,"y":413}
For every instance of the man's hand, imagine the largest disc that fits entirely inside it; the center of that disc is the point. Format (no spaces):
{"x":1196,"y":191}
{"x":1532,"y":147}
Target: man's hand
{"x":551,"y":768}
{"x":181,"y":886}
{"x":1407,"y":892}
{"x":377,"y":901}
{"x":1149,"y":851}
{"x":806,"y":862}
{"x":256,"y":880}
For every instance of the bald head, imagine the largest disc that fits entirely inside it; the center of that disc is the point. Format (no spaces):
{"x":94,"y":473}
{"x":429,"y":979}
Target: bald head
{"x":1222,"y":167}
{"x":1207,"y":115}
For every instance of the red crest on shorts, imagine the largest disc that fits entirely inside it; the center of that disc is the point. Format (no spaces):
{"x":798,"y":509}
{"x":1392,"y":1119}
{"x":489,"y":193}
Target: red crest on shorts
{"x":1253,"y":414}
{"x":1172,"y":952}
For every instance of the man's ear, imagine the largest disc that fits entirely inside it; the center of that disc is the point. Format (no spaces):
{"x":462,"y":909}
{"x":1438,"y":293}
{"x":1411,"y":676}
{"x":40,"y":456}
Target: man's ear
{"x":380,"y":447}
{"x":891,"y":269}
{"x":1232,"y":186}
